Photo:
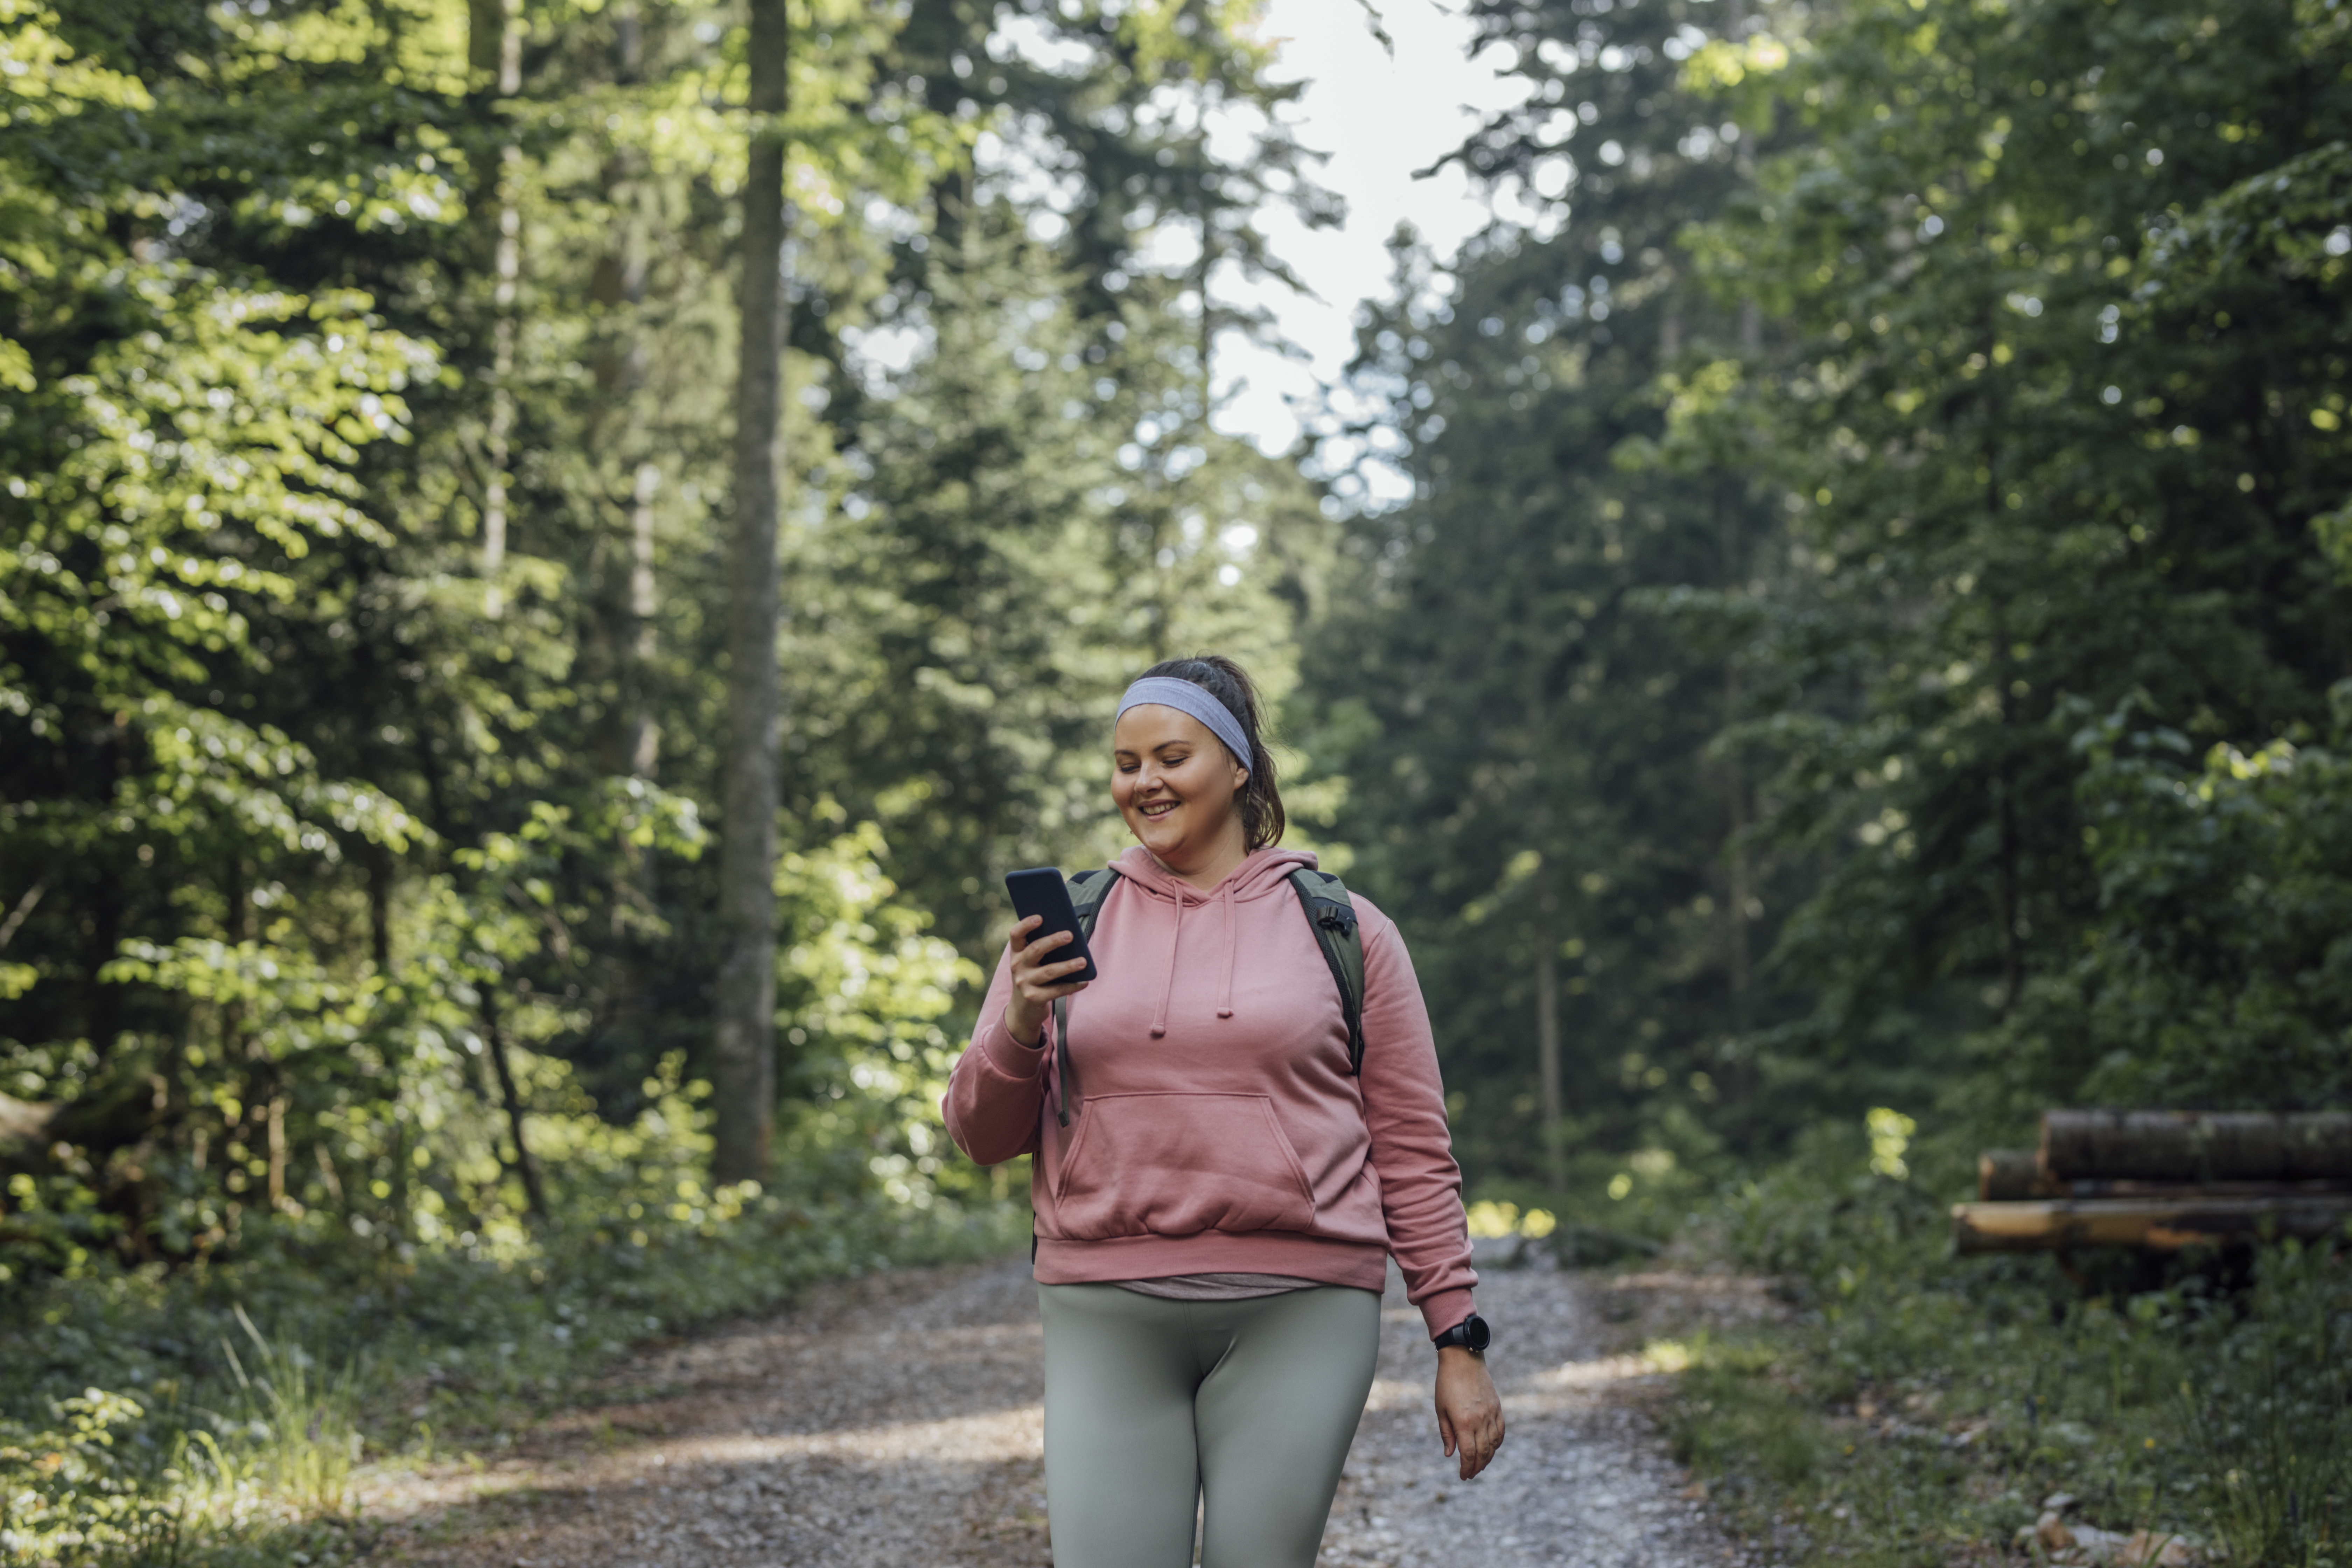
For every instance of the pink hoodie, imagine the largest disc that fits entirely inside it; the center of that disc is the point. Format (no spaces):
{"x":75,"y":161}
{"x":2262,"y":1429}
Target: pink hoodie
{"x":1214,"y":1125}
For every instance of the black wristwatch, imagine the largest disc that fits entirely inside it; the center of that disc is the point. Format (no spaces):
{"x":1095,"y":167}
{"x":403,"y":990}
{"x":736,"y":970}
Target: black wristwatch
{"x":1471,"y":1333}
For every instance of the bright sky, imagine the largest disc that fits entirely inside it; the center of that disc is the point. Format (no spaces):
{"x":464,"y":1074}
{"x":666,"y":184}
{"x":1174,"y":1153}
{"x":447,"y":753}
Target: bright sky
{"x":1377,"y":116}
{"x":1380,"y":118}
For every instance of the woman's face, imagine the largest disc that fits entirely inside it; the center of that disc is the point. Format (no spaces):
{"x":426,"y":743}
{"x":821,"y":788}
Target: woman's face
{"x":1176,"y":784}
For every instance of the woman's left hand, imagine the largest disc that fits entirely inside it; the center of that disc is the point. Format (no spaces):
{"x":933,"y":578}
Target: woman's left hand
{"x":1469,"y":1411}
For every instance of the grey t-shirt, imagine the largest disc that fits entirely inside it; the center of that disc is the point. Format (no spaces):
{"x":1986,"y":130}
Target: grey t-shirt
{"x":1217,"y":1287}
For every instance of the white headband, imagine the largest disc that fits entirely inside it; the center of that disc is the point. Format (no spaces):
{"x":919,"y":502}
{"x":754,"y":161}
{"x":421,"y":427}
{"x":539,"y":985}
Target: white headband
{"x":1167,"y":691}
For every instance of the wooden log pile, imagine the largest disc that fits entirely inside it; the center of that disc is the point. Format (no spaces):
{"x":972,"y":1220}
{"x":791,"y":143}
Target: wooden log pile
{"x":2163,"y":1179}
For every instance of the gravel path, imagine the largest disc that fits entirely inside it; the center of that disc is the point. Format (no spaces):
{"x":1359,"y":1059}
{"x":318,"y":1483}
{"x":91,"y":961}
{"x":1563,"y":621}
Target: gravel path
{"x":894,"y":1423}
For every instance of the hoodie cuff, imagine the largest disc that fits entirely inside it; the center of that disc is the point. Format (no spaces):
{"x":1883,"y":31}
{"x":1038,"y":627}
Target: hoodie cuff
{"x":1008,"y":1056}
{"x":1444,"y":1309}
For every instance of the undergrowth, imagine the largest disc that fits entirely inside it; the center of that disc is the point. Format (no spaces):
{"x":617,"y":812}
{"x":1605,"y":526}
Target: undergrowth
{"x":1914,"y":1408}
{"x":215,"y":1416}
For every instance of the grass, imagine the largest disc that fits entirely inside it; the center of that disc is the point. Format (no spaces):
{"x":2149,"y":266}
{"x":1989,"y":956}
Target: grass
{"x":215,"y":1416}
{"x":1914,"y":1408}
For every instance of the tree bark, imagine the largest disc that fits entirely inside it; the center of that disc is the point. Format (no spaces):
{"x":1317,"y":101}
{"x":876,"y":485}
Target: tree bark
{"x":494,"y":48}
{"x":618,"y":285}
{"x":2197,"y":1146}
{"x":1555,"y":1129}
{"x":1741,"y":889}
{"x":644,"y":737}
{"x":1548,"y":1049}
{"x":23,"y":908}
{"x":746,"y":1044}
{"x":510,"y":1100}
{"x":2008,"y":895}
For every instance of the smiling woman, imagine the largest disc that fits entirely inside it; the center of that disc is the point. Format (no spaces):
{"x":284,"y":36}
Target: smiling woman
{"x":1220,"y":1175}
{"x":1188,"y":737}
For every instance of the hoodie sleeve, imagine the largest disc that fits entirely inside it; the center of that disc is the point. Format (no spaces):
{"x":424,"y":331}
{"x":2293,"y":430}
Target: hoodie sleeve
{"x":1405,"y":1109}
{"x":996,"y":1094}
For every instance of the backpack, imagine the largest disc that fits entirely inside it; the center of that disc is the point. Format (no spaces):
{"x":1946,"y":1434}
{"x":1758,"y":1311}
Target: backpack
{"x":1329,"y":915}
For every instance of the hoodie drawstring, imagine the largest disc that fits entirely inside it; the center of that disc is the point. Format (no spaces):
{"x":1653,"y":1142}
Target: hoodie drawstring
{"x":1175,"y":942}
{"x":1232,"y":919}
{"x":1168,"y":987}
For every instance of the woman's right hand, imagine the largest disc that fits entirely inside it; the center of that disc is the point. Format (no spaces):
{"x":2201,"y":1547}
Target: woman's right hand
{"x":1039,"y":980}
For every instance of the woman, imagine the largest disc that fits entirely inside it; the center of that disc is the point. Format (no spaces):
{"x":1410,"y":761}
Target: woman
{"x":1214,"y":1220}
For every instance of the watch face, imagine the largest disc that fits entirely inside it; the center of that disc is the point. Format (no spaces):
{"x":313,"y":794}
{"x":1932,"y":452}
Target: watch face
{"x":1475,"y":1334}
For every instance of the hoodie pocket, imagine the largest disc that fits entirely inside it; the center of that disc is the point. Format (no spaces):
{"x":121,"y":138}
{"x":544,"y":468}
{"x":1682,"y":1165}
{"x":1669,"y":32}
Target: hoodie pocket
{"x":1177,"y":1164}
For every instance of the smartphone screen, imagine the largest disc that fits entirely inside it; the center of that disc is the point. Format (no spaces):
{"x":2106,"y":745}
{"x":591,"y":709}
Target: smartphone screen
{"x":1041,"y":891}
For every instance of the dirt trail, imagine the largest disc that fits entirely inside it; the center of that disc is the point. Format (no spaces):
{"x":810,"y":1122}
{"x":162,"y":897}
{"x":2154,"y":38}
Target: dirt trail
{"x":894,"y":1423}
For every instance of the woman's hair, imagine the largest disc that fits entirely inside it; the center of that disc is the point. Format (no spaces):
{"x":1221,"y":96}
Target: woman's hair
{"x":1262,"y":815}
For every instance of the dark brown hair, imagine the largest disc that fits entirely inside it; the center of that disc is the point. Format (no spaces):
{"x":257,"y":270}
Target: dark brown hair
{"x":1261,"y":815}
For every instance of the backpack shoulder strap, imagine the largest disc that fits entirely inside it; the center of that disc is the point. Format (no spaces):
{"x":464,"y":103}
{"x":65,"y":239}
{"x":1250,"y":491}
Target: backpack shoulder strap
{"x":1332,"y":915}
{"x":1087,"y":892}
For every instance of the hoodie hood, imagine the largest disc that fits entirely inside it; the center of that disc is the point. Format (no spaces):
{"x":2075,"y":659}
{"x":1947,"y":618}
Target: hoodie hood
{"x":1261,"y":873}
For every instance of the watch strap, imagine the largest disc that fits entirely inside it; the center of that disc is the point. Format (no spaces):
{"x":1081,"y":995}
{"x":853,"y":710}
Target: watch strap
{"x":1472,"y":1334}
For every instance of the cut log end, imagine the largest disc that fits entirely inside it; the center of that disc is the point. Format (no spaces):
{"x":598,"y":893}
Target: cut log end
{"x":2006,"y":1174}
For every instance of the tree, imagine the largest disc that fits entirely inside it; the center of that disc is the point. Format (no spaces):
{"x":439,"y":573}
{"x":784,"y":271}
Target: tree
{"x":1512,"y":686}
{"x":747,"y":974}
{"x":2033,"y":477}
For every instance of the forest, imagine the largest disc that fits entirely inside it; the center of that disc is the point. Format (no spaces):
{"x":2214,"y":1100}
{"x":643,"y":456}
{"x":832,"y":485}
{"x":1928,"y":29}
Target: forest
{"x":554,"y":551}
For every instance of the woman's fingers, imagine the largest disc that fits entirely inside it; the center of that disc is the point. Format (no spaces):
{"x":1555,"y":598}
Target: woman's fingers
{"x":1476,"y":1458}
{"x":1469,"y":1413}
{"x":1029,"y":954}
{"x":1050,"y":980}
{"x":1037,"y":975}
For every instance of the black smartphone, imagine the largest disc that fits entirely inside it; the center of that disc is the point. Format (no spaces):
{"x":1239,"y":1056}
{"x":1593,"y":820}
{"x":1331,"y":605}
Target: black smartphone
{"x":1041,"y":891}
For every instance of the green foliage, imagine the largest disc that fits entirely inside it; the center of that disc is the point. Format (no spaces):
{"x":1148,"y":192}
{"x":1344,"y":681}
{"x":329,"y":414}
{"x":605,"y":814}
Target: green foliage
{"x":68,"y":1496}
{"x":2219,"y":972}
{"x":1909,"y":429}
{"x":364,"y":436}
{"x":1911,"y":1405}
{"x":359,"y":672}
{"x":2053,"y":422}
{"x":1511,"y":693}
{"x":241,"y":1441}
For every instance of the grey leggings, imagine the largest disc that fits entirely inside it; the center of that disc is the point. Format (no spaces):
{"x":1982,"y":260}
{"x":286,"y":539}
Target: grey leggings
{"x":1248,"y":1407}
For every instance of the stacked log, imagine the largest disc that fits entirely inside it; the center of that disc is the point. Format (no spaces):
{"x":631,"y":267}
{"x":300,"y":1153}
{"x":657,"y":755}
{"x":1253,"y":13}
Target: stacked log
{"x":2164,"y":1180}
{"x":2184,"y":1146}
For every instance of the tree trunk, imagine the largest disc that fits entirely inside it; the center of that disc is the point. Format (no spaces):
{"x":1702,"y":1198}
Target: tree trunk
{"x":510,"y":1100}
{"x":618,"y":285}
{"x":2008,"y":894}
{"x":277,"y":1199}
{"x":643,"y":738}
{"x":1741,"y":890}
{"x":1548,"y":1050}
{"x":747,"y":974}
{"x":378,"y":861}
{"x":22,"y":910}
{"x":495,"y":55}
{"x":1555,"y":1131}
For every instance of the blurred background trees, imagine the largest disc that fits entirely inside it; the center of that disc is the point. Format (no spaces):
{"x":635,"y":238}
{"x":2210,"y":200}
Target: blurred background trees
{"x":1862,"y":636}
{"x":369,"y":374}
{"x":1868,"y":627}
